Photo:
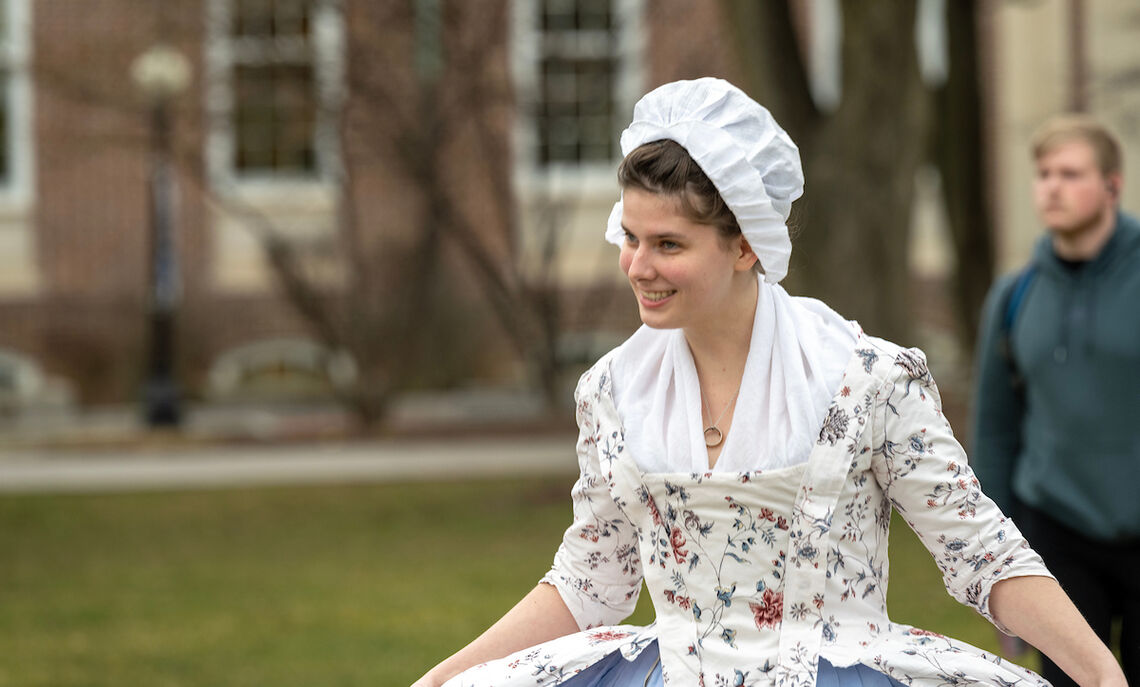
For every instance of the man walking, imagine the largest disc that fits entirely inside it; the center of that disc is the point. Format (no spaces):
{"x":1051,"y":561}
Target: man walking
{"x":1057,"y":404}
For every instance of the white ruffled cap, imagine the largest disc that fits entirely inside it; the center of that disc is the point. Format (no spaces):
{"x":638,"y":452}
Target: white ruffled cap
{"x":752,"y":161}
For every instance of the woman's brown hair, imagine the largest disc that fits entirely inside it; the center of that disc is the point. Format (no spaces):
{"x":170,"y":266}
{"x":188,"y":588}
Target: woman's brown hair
{"x":666,"y":168}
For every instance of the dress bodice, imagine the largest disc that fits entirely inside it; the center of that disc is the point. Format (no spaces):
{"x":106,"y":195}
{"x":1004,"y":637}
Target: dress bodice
{"x":713,"y":547}
{"x":736,"y":564}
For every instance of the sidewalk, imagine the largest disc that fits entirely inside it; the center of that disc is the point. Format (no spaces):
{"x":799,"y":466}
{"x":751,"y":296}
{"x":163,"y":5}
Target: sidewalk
{"x":212,"y":467}
{"x":453,"y":436}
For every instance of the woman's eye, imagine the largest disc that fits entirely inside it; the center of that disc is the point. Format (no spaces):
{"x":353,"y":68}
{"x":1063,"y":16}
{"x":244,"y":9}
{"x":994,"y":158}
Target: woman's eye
{"x":669,"y":245}
{"x":630,"y":238}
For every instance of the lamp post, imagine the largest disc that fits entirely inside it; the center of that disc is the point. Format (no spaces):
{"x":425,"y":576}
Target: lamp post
{"x":161,"y":73}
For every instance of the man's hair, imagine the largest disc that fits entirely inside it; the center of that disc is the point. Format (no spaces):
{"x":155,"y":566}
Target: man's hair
{"x":666,"y":168}
{"x":1075,"y":127}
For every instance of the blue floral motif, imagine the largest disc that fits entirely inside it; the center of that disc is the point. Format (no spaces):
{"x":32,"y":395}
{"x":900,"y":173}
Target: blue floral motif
{"x":869,"y":358}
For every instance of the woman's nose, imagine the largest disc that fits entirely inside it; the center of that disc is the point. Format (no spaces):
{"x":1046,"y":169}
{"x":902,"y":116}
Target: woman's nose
{"x":640,"y":264}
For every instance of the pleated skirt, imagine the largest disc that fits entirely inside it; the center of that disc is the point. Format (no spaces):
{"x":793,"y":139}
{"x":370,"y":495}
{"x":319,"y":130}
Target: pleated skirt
{"x":645,"y":671}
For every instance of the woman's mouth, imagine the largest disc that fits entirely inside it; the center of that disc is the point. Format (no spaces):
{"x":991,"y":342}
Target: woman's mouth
{"x":654,"y":297}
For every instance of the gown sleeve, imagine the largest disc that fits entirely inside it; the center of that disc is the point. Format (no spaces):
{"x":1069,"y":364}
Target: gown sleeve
{"x":924,"y":473}
{"x":597,"y":569}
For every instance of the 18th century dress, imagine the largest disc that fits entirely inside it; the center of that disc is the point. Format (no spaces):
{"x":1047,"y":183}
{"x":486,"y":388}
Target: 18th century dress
{"x":755,"y":575}
{"x":773,"y":563}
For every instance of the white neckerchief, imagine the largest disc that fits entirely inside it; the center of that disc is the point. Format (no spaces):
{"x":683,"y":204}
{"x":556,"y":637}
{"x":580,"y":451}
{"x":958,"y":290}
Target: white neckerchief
{"x":798,"y":353}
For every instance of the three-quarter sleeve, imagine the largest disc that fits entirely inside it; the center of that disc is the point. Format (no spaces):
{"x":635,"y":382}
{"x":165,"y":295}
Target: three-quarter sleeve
{"x":597,"y":569}
{"x":925,"y":475}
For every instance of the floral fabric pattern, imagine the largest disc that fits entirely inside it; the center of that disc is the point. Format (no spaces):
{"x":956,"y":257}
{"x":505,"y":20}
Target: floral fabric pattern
{"x":756,"y":575}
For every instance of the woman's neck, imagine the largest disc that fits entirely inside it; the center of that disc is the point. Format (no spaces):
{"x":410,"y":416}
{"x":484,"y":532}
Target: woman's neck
{"x":720,"y":352}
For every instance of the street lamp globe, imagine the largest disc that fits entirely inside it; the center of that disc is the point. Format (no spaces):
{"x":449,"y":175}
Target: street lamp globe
{"x":161,"y":72}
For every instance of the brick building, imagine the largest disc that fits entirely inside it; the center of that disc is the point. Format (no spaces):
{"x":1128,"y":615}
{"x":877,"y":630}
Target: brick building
{"x":318,"y":122}
{"x":385,"y":143}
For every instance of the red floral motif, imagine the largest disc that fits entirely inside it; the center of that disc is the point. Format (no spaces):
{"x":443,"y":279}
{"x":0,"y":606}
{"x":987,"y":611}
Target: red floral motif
{"x":770,"y":515}
{"x":654,"y":512}
{"x":770,"y":611}
{"x":925,"y":633}
{"x":845,"y":392}
{"x":608,"y":635}
{"x":691,"y":520}
{"x":677,"y":540}
{"x":589,"y":533}
{"x":682,"y":601}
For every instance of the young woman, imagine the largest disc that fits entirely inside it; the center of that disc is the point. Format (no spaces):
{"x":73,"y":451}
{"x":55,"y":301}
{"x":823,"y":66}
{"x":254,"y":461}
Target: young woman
{"x":741,"y":453}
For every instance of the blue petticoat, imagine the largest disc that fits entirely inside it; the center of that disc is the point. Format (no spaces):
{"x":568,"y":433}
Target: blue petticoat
{"x":645,"y":671}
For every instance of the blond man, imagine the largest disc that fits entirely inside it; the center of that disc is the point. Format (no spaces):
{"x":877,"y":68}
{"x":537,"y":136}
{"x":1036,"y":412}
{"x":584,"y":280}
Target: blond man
{"x":1056,"y":431}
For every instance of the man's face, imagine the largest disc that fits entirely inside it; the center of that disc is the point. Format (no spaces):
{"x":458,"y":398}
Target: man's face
{"x":1071,"y":193}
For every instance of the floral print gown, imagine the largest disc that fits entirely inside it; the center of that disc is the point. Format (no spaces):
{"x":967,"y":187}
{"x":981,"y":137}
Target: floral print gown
{"x":754,"y":576}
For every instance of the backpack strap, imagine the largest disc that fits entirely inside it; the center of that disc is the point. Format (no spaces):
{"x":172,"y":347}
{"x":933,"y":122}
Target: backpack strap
{"x":1013,"y":299}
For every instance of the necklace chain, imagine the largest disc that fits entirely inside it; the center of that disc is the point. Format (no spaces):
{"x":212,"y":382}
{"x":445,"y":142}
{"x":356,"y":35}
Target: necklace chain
{"x":713,"y":435}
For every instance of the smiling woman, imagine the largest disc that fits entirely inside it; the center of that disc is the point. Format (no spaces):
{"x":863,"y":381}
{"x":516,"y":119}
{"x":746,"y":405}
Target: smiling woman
{"x":681,"y":272}
{"x":740,"y":455}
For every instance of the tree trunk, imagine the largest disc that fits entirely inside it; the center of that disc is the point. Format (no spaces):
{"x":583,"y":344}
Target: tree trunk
{"x":959,"y":152}
{"x":851,"y":230}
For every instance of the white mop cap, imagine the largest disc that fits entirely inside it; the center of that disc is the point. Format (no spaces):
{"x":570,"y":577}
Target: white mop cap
{"x":752,"y":161}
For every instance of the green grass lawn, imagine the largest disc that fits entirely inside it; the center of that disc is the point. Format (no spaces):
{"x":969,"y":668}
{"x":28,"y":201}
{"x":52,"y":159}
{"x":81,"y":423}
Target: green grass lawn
{"x":352,"y":585}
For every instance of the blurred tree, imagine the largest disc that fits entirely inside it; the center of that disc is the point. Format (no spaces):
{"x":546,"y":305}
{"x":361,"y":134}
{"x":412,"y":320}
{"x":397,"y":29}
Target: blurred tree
{"x":959,"y":151}
{"x":431,"y":110}
{"x":859,"y":159}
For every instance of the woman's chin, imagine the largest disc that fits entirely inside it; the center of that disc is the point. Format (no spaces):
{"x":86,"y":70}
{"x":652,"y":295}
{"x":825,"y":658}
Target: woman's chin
{"x":656,"y":320}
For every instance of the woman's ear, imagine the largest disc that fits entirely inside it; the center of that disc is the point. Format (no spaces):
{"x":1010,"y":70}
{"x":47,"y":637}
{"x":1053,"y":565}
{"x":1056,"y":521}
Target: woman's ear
{"x":746,"y":258}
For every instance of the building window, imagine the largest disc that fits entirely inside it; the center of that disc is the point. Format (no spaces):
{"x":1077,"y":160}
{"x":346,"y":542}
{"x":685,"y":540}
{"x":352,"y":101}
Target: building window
{"x":578,"y":71}
{"x":576,"y":109}
{"x":275,"y":103}
{"x":15,"y":99}
{"x":276,"y":69}
{"x":5,"y":129}
{"x":6,"y":55}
